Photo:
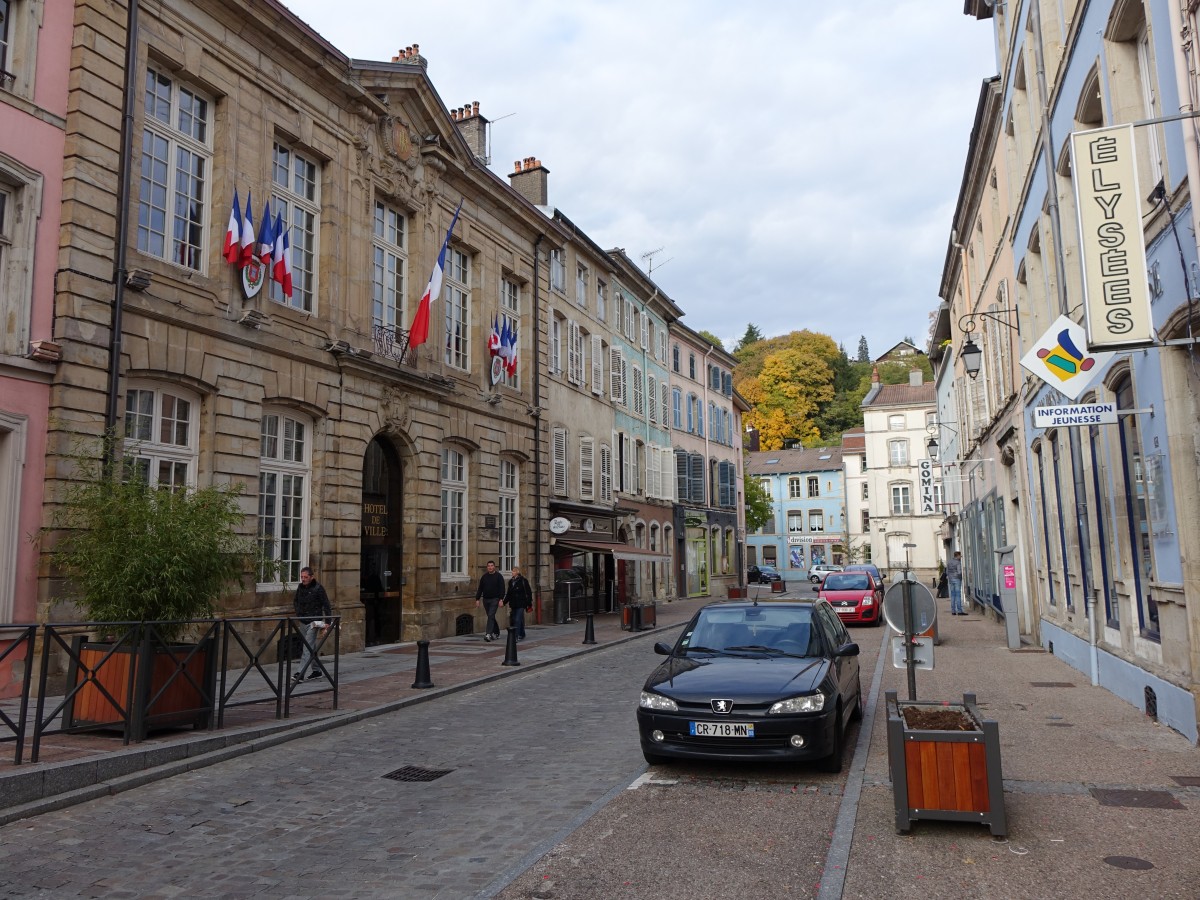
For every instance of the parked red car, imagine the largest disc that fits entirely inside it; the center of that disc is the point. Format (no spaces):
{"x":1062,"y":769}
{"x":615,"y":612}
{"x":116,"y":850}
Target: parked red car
{"x":854,"y":596}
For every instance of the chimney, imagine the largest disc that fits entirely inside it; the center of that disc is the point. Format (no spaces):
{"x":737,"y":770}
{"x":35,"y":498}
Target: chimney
{"x":411,"y":54}
{"x":874,"y":374}
{"x":916,"y":377}
{"x":529,"y":179}
{"x":473,"y":127}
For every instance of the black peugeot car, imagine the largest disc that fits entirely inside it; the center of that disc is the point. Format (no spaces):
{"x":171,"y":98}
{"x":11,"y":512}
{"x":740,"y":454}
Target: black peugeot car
{"x":753,"y":681}
{"x":763,"y":574}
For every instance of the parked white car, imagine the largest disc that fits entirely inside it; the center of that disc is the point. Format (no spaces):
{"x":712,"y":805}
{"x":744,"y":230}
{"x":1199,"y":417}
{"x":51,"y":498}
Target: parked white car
{"x":819,"y":570}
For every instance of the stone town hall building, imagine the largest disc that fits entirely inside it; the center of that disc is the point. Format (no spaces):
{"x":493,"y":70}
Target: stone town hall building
{"x":394,"y":471}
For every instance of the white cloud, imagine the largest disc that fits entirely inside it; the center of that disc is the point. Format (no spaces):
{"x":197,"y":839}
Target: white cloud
{"x":797,"y":162}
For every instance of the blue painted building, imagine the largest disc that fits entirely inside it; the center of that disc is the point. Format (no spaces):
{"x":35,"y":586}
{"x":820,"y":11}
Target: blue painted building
{"x":808,"y":505}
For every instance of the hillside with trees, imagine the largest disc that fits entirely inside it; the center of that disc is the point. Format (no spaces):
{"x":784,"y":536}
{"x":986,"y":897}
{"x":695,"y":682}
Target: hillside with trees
{"x":803,"y":387}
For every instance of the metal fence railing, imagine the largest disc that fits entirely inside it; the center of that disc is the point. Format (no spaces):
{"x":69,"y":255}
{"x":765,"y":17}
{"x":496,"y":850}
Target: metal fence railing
{"x":135,"y":677}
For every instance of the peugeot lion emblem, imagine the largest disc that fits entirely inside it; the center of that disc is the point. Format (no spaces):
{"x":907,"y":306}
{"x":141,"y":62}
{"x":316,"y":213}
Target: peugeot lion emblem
{"x":722,"y":706}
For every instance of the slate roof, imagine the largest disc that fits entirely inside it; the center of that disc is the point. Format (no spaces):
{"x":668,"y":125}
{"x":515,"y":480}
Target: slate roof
{"x":791,"y":462}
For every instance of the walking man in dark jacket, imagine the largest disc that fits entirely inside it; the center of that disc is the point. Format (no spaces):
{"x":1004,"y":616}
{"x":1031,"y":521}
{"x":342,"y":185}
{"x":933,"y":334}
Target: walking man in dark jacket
{"x":519,"y":598}
{"x":491,"y":592}
{"x":312,"y":609}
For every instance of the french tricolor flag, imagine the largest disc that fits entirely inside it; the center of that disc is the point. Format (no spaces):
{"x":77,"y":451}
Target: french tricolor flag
{"x":266,"y":239}
{"x":247,"y":236}
{"x":232,"y":250}
{"x":419,"y":333}
{"x":281,"y":258}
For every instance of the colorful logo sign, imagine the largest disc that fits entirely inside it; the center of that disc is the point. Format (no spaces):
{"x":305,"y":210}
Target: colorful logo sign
{"x":1061,"y":358}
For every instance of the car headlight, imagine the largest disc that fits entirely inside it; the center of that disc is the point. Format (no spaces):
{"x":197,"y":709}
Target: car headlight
{"x":812,"y":703}
{"x":657,"y":701}
{"x":868,"y":600}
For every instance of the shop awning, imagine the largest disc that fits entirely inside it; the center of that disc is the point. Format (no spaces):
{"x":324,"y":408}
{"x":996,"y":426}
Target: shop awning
{"x":619,"y":551}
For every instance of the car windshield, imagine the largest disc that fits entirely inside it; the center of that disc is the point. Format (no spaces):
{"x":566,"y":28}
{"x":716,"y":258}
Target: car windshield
{"x":846,"y":581}
{"x":766,"y":568}
{"x":783,"y":629}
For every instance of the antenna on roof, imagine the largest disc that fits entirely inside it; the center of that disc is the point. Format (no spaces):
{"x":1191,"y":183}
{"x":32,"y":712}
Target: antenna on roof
{"x":649,"y":256}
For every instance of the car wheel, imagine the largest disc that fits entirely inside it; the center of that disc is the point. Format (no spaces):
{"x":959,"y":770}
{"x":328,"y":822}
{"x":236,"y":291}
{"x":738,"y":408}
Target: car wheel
{"x":654,"y":759}
{"x":815,"y":579}
{"x":857,"y":715}
{"x":833,"y":762}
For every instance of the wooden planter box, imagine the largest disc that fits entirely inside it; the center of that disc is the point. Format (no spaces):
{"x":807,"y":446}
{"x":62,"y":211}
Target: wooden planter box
{"x":778,"y":587}
{"x":950,"y":775}
{"x":154,"y":686}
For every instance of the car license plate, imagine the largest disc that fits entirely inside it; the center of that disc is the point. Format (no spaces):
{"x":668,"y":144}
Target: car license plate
{"x":722,"y":729}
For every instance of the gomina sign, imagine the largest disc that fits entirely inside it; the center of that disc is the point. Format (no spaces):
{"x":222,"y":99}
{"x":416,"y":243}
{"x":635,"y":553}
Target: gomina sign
{"x":1116,"y":294}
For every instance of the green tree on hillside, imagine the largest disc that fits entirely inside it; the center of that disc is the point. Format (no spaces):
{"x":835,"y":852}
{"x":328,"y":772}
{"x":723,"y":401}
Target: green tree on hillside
{"x":864,"y":355}
{"x":752,"y":336}
{"x":712,"y":339}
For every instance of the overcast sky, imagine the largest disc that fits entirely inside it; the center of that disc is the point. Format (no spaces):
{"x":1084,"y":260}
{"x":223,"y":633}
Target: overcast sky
{"x":796,"y":162}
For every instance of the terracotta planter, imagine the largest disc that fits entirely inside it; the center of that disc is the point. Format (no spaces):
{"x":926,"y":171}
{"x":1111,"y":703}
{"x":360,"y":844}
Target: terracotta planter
{"x":945,"y":774}
{"x":153,"y":686}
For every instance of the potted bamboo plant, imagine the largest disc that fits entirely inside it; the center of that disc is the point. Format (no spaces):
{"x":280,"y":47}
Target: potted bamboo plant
{"x":146,"y":565}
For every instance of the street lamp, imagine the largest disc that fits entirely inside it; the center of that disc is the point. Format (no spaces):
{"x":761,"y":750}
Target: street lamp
{"x":971,"y":355}
{"x":931,"y":446}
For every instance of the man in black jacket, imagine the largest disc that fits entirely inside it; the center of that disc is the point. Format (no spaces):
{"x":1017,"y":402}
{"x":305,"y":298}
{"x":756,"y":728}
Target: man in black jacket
{"x":491,"y":591}
{"x":312,"y":609}
{"x":519,"y":598}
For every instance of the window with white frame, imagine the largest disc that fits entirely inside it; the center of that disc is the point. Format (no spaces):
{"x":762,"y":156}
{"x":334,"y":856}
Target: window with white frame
{"x":691,"y":413}
{"x":901,"y":499}
{"x":795,"y":523}
{"x":816,"y":520}
{"x":692,"y":366}
{"x":601,"y":300}
{"x":558,"y":460}
{"x":581,"y":286}
{"x":558,"y":272}
{"x":896,"y":422}
{"x":814,"y":486}
{"x":794,"y":488}
{"x":676,"y":408}
{"x":6,"y":30}
{"x":866,"y":522}
{"x":297,"y":200}
{"x":866,"y":491}
{"x":662,"y":345}
{"x":283,"y":480}
{"x":576,"y":337}
{"x":509,"y":524}
{"x":587,"y":468}
{"x":510,"y":315}
{"x":456,"y":297}
{"x":454,"y":512}
{"x":176,"y":159}
{"x":898,"y":452}
{"x":675,"y":357}
{"x":161,"y":435}
{"x":389,"y":267}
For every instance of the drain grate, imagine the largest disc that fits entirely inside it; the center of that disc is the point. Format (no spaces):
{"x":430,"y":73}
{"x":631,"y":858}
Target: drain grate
{"x":417,"y":773}
{"x":1129,"y":862}
{"x":1186,"y":780}
{"x":1052,"y":683}
{"x":1060,"y":724}
{"x":1136,"y":799}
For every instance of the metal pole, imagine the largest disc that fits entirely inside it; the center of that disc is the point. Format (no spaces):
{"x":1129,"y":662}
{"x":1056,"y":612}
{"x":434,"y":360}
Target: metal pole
{"x":910,"y":661}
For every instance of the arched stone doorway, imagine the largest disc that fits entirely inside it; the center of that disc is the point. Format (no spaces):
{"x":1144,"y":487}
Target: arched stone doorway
{"x":382,"y":542}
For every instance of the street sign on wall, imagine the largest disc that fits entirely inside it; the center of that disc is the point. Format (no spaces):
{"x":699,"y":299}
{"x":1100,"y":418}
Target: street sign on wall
{"x":1061,"y":358}
{"x":925,"y":483}
{"x":1079,"y":414}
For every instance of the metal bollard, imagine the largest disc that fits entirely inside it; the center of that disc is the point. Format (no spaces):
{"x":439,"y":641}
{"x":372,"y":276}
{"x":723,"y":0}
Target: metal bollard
{"x":423,"y":680}
{"x":635,"y":618}
{"x":589,"y":631}
{"x":510,"y":650}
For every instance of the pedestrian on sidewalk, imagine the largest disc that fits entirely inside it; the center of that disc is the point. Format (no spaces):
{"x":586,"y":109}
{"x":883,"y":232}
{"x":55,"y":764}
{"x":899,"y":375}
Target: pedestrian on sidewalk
{"x":491,"y":592}
{"x":519,"y":598}
{"x":312,"y":609}
{"x":954,"y":579}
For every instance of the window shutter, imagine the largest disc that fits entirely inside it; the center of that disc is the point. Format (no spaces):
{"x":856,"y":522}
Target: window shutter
{"x":696,"y":473}
{"x":614,"y":373}
{"x":624,"y":381}
{"x":626,"y":464}
{"x":652,"y":480}
{"x":645,"y":332}
{"x":682,"y":480}
{"x":606,"y":493}
{"x":664,"y":390}
{"x":652,"y":396}
{"x":628,"y":307}
{"x":559,"y":451}
{"x":666,"y":458}
{"x":572,"y":351}
{"x":639,"y":392}
{"x":597,"y":364}
{"x":587,"y":489}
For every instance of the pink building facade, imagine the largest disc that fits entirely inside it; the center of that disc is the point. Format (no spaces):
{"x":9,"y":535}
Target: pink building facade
{"x":35,"y":46}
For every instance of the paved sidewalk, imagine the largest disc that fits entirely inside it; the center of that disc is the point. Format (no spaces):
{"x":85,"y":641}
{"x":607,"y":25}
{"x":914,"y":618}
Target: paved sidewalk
{"x":1101,"y":799}
{"x":75,"y":768}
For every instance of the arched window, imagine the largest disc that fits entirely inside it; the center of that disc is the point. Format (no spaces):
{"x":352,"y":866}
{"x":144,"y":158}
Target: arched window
{"x":161,"y":434}
{"x":284,"y":472}
{"x":454,"y":512}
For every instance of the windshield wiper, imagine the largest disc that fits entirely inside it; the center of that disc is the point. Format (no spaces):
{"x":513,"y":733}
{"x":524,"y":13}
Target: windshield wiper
{"x":702,"y":650}
{"x":773,"y":651}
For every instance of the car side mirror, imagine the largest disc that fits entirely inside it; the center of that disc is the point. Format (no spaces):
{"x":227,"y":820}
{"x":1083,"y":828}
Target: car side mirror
{"x":662,"y":648}
{"x":816,"y":588}
{"x":850,"y":649}
{"x":883,"y":574}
